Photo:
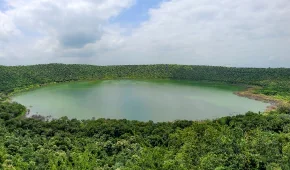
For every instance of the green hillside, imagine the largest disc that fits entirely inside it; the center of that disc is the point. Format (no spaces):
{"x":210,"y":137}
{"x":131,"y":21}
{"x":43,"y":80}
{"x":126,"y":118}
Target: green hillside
{"x":276,"y":81}
{"x":246,"y":142}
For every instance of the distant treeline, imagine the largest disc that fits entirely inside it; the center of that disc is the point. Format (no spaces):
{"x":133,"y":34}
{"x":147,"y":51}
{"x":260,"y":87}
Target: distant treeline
{"x":274,"y":80}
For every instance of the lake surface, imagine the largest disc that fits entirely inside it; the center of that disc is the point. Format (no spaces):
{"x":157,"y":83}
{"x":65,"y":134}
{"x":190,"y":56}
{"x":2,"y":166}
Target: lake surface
{"x":163,"y":100}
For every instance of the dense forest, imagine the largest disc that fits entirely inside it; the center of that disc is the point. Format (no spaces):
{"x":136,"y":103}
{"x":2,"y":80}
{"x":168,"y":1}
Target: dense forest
{"x":250,"y":141}
{"x":275,"y":81}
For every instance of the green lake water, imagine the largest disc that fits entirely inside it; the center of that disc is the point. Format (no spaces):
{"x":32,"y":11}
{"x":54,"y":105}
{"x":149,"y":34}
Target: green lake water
{"x":160,"y":100}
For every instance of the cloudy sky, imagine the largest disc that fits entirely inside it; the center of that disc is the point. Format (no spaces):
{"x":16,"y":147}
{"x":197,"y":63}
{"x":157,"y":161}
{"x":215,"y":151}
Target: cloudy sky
{"x":251,"y":33}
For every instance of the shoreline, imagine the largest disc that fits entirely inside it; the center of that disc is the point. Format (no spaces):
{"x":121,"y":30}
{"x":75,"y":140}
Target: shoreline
{"x":250,"y":94}
{"x":247,"y":92}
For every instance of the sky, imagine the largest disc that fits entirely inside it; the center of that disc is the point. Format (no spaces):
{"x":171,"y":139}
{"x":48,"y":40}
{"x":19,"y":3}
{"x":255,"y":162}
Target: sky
{"x":237,"y":33}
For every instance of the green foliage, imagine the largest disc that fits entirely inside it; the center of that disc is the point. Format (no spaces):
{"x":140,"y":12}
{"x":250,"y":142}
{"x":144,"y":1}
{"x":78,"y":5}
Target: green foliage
{"x":275,"y":81}
{"x":250,"y":141}
{"x":10,"y":110}
{"x":246,"y":142}
{"x":284,"y":109}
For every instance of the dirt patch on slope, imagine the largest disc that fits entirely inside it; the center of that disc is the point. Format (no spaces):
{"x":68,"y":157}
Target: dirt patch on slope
{"x":250,"y":93}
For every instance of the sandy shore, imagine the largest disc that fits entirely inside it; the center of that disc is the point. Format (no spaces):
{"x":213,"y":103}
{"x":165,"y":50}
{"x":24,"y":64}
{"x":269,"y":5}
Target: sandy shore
{"x":249,"y":93}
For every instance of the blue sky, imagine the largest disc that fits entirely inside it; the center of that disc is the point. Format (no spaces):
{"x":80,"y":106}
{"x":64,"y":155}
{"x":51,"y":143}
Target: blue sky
{"x":134,"y":15}
{"x":137,"y":13}
{"x":104,"y":32}
{"x":2,"y":5}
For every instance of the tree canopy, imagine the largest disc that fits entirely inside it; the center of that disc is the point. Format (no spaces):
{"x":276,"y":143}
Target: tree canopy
{"x":274,"y":80}
{"x":247,"y":142}
{"x":250,"y":141}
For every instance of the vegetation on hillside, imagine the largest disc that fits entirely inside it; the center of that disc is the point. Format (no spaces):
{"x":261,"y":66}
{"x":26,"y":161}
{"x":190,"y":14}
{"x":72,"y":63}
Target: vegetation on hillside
{"x":246,"y":142}
{"x":251,"y":141}
{"x":275,"y":81}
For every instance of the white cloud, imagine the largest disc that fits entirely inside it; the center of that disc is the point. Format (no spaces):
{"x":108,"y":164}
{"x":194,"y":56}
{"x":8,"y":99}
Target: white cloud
{"x":225,"y":32}
{"x":7,"y":28}
{"x":74,"y":23}
{"x":8,"y":31}
{"x":53,"y":28}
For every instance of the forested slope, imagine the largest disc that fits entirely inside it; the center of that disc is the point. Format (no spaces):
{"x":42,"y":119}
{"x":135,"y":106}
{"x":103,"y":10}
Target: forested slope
{"x":244,"y":142}
{"x":274,"y":80}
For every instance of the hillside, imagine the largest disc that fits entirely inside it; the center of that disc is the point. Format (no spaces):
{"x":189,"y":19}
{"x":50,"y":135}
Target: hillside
{"x":275,"y":81}
{"x":245,"y":142}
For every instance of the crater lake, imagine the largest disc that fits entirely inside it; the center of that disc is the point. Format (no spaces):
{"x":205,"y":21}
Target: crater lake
{"x":143,"y":100}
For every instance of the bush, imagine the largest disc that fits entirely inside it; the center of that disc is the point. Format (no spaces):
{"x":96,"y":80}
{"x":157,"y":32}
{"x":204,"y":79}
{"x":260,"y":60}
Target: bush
{"x":283,"y":109}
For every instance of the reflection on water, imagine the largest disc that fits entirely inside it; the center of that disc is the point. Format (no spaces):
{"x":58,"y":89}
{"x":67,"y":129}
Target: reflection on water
{"x":138,"y":100}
